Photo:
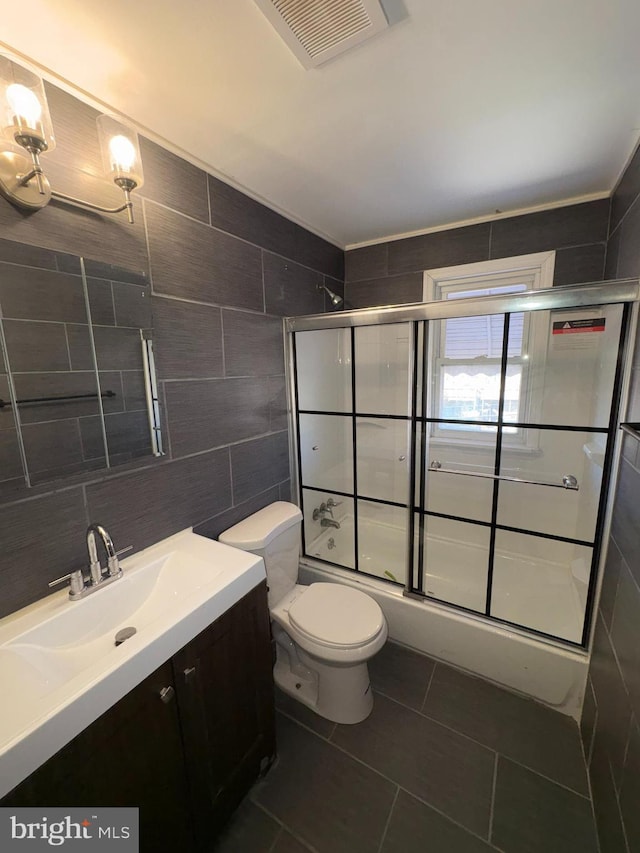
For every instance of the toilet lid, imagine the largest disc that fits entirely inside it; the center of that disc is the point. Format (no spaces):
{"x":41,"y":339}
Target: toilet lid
{"x":336,"y":615}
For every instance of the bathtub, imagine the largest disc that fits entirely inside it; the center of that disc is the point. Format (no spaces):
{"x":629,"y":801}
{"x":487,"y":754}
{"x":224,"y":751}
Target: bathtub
{"x":455,"y":572}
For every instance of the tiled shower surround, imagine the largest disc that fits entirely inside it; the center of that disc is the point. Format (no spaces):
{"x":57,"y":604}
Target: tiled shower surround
{"x":392,"y":272}
{"x":611,"y":717}
{"x":223,"y":269}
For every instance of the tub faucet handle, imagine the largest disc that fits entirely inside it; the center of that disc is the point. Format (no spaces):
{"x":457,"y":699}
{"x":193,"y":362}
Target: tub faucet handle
{"x":320,"y":511}
{"x":331,"y":503}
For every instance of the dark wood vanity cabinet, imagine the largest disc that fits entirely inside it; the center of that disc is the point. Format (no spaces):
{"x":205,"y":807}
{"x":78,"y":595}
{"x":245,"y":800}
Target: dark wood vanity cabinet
{"x":184,"y":746}
{"x":130,"y":756}
{"x":226,"y":711}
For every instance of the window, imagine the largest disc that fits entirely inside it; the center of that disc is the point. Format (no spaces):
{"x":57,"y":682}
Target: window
{"x":467,"y":351}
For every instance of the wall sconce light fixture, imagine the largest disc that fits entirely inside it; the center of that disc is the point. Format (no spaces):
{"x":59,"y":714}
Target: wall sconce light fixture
{"x":26,"y":127}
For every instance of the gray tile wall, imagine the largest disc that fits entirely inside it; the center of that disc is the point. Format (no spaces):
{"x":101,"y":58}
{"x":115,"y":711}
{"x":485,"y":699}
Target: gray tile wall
{"x":392,"y":272}
{"x":223,"y":269}
{"x":611,"y":715}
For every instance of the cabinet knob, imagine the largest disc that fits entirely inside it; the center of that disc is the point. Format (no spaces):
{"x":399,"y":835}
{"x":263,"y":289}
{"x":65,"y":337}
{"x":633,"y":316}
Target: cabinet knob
{"x":167,"y":694}
{"x":188,"y":673}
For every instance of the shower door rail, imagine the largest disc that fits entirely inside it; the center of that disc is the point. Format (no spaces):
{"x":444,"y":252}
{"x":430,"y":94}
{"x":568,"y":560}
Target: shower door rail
{"x":567,"y":296}
{"x":418,"y":317}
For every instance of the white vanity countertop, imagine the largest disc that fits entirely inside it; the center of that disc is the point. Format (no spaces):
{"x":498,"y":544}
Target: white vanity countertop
{"x":59,"y":666}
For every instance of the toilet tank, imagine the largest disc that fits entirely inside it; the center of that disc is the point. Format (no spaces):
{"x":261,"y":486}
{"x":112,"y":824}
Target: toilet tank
{"x":274,"y":534}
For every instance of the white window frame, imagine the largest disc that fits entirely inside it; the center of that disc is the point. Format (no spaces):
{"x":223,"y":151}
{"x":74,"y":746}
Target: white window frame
{"x":538,"y":268}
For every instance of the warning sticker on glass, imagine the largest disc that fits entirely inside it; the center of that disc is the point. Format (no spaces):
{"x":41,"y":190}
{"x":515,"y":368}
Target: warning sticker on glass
{"x":572,"y":327}
{"x":577,"y":334}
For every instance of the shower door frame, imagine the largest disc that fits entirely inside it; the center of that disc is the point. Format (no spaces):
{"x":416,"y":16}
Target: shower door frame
{"x":625,"y":292}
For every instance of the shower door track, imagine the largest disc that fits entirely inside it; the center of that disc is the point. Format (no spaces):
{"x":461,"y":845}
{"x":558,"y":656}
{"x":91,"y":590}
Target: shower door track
{"x":569,"y":296}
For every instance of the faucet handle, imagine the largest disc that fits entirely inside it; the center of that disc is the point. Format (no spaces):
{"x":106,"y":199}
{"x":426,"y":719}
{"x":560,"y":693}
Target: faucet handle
{"x":331,"y":503}
{"x":113,"y":565}
{"x":76,"y":581}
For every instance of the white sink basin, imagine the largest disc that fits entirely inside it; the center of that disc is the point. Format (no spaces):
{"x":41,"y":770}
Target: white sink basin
{"x":68,"y":642}
{"x":59,"y":665}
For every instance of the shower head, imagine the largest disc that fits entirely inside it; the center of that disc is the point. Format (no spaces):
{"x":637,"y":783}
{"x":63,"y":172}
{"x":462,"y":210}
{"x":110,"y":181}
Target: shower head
{"x":336,"y":300}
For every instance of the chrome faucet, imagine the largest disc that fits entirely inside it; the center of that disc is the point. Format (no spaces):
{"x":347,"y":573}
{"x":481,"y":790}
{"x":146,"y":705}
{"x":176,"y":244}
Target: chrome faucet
{"x":95,"y":568}
{"x":320,"y":513}
{"x":98,"y":577}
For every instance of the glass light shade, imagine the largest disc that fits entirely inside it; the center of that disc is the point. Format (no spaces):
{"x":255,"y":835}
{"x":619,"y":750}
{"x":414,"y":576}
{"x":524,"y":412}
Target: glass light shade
{"x":120,"y":150}
{"x":24,"y":111}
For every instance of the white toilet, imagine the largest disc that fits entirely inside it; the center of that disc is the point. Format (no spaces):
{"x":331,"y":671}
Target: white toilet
{"x":325,"y":633}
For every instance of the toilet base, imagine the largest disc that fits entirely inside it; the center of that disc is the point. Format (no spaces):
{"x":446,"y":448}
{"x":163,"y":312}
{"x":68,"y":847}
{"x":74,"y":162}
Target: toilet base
{"x":305,"y":690}
{"x":341,"y":694}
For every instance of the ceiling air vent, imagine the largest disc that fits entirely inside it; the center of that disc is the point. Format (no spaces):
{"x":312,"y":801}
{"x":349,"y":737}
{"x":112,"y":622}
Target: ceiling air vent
{"x":318,"y":30}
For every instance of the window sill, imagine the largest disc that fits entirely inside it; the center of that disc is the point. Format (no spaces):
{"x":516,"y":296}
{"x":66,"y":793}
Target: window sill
{"x":530,"y":452}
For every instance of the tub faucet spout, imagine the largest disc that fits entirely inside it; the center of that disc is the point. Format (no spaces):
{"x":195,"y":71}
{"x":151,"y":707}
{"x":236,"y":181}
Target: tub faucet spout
{"x":329,"y":522}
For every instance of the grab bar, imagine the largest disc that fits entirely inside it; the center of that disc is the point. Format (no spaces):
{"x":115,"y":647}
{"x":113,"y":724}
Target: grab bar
{"x":568,"y":480}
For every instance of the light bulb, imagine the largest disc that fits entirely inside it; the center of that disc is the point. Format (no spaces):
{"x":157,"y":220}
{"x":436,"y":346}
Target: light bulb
{"x":25,"y":105}
{"x":122,"y":152}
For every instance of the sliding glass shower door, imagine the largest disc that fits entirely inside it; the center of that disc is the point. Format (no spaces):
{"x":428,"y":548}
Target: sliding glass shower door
{"x":463,"y":450}
{"x":354,"y":425}
{"x":514,"y":430}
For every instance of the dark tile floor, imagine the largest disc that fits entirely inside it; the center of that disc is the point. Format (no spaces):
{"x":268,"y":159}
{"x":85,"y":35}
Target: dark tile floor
{"x":446,"y":763}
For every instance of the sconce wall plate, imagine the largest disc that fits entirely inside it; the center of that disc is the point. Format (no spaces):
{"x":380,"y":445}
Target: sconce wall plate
{"x":13,"y":167}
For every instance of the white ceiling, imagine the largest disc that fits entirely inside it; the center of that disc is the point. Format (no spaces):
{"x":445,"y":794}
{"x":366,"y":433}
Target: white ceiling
{"x":460,"y":108}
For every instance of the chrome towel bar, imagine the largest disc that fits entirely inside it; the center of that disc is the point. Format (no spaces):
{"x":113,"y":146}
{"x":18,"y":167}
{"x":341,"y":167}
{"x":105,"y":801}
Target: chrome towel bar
{"x":568,"y":480}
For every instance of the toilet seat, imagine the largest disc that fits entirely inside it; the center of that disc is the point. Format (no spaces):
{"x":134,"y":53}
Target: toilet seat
{"x":336,"y":616}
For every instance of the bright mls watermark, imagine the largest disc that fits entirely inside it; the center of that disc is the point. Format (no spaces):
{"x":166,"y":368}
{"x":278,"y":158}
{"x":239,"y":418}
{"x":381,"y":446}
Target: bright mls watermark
{"x":101,"y":829}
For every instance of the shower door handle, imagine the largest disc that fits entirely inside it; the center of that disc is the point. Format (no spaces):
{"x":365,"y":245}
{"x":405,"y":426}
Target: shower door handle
{"x":568,"y":480}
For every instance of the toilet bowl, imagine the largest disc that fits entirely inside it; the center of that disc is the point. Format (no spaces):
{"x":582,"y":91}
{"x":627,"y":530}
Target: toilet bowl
{"x":325,"y":633}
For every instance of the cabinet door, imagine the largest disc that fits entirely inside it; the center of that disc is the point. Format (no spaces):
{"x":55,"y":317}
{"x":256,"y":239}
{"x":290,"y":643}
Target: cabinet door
{"x":225,"y":699}
{"x":130,"y":756}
